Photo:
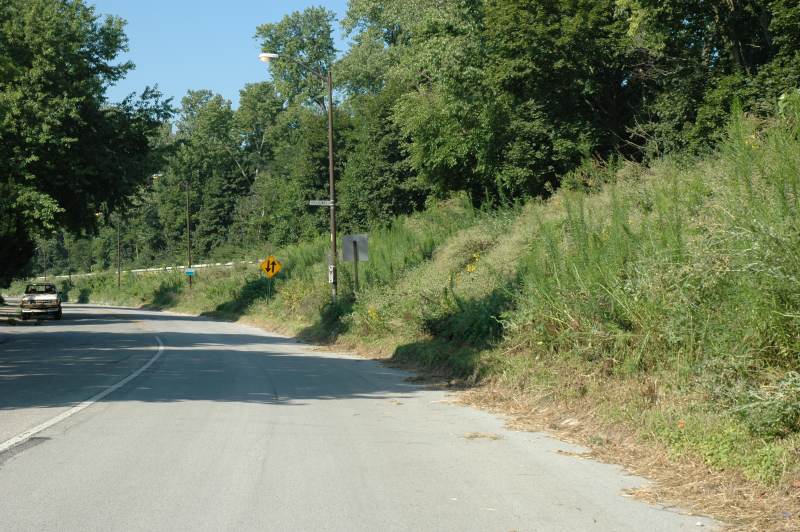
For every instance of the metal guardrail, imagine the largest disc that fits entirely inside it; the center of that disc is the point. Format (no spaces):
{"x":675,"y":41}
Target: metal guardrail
{"x":154,"y":270}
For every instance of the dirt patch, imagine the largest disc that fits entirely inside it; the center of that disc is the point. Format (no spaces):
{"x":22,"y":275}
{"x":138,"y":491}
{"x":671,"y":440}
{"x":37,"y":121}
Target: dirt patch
{"x":481,"y":436}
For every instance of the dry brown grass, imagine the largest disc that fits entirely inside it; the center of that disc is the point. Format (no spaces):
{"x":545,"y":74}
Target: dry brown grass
{"x":684,"y":481}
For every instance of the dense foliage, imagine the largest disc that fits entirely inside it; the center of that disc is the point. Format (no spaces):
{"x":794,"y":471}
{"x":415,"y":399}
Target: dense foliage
{"x":495,"y":98}
{"x":64,"y":149}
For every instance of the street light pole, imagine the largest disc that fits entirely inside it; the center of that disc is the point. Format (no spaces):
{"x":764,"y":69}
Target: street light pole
{"x":332,"y":275}
{"x":328,"y":78}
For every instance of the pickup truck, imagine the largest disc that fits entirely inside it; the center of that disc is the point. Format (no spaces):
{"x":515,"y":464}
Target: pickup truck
{"x":41,"y":299}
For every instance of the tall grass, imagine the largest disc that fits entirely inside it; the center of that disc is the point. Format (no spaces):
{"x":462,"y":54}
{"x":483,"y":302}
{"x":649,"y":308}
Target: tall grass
{"x":687,"y":272}
{"x":300,"y":291}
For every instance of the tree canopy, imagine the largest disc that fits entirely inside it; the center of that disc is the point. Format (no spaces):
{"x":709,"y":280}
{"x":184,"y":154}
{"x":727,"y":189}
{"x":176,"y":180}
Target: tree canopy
{"x":64,"y":149}
{"x":496,"y":98}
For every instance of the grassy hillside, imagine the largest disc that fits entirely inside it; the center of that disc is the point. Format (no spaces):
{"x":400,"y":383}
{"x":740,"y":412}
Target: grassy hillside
{"x":661,"y":299}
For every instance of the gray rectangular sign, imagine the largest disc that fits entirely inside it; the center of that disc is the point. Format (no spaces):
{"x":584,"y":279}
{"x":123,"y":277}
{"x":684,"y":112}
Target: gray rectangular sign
{"x":361,"y":242}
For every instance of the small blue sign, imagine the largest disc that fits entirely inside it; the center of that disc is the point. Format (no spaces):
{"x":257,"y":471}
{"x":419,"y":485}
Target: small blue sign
{"x":189,"y":271}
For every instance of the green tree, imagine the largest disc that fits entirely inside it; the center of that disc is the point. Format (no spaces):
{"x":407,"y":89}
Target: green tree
{"x":205,"y":159}
{"x":377,"y":182}
{"x":305,"y":38}
{"x":298,"y":171}
{"x":63,"y":148}
{"x":255,"y":125}
{"x":559,"y":78}
{"x":697,"y":58}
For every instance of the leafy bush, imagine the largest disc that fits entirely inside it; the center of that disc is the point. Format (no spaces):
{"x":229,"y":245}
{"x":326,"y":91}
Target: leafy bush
{"x":773,"y":411}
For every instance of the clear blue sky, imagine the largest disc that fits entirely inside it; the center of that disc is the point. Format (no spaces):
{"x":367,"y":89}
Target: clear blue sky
{"x":199,"y":44}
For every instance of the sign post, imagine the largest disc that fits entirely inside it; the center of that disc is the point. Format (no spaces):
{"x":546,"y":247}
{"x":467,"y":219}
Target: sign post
{"x":331,"y":203}
{"x":356,"y":249}
{"x":355,"y":265}
{"x":271,"y":266}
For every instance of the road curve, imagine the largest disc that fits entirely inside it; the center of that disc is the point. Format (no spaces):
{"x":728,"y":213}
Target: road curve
{"x":233,"y":428}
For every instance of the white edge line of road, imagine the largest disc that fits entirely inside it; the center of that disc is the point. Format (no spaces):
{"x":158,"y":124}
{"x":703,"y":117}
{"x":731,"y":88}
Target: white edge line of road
{"x":21,"y":438}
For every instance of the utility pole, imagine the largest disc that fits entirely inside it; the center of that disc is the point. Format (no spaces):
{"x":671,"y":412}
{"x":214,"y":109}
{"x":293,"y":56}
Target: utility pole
{"x":266,"y":58}
{"x":188,"y":235}
{"x":332,"y":275}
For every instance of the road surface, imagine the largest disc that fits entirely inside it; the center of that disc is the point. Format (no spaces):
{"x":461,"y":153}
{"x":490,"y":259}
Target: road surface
{"x":227,"y":427}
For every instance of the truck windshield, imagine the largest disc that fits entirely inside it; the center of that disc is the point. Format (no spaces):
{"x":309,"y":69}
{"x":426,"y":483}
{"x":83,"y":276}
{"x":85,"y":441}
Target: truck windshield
{"x":40,"y":289}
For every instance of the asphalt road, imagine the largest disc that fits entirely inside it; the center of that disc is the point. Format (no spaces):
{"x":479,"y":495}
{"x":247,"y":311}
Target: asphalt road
{"x":232,"y":428}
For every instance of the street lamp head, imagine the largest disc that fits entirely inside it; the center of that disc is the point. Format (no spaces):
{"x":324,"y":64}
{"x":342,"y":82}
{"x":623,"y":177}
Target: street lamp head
{"x":266,"y":58}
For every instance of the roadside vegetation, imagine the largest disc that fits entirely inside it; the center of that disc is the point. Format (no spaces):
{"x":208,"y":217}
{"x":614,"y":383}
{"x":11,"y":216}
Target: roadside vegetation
{"x":661,"y":299}
{"x":588,"y":209}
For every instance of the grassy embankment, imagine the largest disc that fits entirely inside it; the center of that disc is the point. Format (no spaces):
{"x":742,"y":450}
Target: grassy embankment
{"x":661,"y":304}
